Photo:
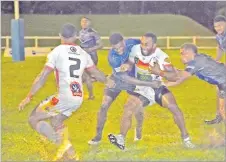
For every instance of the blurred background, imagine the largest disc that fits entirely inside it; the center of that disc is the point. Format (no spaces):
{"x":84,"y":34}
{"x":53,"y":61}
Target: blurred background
{"x":202,"y":11}
{"x":174,"y":22}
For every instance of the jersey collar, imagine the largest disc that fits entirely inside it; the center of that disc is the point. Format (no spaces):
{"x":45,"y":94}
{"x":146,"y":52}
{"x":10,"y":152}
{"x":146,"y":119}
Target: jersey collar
{"x":72,"y":44}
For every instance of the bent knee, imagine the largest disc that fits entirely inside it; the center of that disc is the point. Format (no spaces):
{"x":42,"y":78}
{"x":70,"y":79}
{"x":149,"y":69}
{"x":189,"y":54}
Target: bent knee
{"x":32,"y":120}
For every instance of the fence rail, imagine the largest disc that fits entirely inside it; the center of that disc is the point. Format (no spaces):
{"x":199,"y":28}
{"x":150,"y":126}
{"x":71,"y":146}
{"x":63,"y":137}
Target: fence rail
{"x":168,"y":40}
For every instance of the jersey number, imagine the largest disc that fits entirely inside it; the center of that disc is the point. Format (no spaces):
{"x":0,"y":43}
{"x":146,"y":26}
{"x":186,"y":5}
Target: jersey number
{"x":74,"y":67}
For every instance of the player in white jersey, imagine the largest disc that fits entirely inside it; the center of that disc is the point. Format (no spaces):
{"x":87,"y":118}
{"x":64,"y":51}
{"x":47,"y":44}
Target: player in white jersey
{"x":147,"y":59}
{"x":69,"y":62}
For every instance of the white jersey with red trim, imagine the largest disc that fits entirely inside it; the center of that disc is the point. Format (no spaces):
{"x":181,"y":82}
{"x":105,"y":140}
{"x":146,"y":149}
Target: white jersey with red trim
{"x":143,"y":63}
{"x":69,"y":63}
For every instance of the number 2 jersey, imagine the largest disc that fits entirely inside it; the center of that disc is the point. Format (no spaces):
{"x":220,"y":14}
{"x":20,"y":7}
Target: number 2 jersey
{"x":69,"y":62}
{"x":143,"y":63}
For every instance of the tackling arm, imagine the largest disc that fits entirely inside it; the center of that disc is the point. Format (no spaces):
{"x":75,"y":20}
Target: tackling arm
{"x":130,"y":80}
{"x":169,"y":73}
{"x":183,"y":75}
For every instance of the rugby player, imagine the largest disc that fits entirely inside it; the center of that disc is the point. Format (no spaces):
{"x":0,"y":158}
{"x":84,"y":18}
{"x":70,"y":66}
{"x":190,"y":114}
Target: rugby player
{"x":90,"y":42}
{"x":205,"y":68}
{"x":220,"y":27}
{"x":68,"y":61}
{"x":143,"y":56}
{"x":119,"y":55}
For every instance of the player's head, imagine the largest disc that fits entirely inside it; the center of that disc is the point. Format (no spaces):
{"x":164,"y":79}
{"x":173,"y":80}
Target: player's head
{"x":85,"y":22}
{"x":117,"y":43}
{"x":220,"y":24}
{"x":68,"y":33}
{"x":188,"y":52}
{"x":148,"y":43}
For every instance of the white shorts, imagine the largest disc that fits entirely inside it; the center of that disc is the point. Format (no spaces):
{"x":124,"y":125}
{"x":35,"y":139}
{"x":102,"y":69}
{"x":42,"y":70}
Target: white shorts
{"x":153,"y":95}
{"x":65,"y":105}
{"x":147,"y":92}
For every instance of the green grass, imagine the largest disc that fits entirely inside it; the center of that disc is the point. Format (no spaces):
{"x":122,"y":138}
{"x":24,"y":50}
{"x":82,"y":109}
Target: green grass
{"x":129,"y":25}
{"x":161,"y":137}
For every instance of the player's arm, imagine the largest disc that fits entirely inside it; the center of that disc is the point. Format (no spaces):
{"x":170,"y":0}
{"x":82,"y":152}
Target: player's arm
{"x":99,"y":43}
{"x":99,"y":75}
{"x":130,"y":62}
{"x":183,"y":75}
{"x":124,"y":76}
{"x":169,"y":73}
{"x":41,"y":78}
{"x":131,"y":80}
{"x":219,"y":53}
{"x":37,"y":84}
{"x":127,"y":66}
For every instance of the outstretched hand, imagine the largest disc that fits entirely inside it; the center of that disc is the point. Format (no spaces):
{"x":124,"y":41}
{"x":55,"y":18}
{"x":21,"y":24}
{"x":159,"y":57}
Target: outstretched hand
{"x":24,"y":103}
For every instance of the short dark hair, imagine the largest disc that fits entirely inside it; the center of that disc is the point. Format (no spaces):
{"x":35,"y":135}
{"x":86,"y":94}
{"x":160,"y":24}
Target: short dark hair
{"x":152,"y":36}
{"x":220,"y":18}
{"x":191,"y":46}
{"x":68,"y":30}
{"x":84,"y":17}
{"x":115,"y":38}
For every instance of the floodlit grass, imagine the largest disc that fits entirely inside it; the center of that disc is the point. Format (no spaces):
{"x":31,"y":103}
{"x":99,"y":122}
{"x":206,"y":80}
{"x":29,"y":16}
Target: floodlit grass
{"x":161,"y":137}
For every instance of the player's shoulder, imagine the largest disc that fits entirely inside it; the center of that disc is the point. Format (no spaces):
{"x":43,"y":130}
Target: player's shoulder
{"x":202,"y":58}
{"x":112,"y":52}
{"x":55,"y":50}
{"x":160,"y":53}
{"x":113,"y":58}
{"x":136,"y":48}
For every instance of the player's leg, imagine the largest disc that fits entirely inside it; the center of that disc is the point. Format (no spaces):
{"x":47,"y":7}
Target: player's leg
{"x":110,"y":95}
{"x":87,"y":80}
{"x":132,"y":106}
{"x":62,"y":137}
{"x":37,"y":120}
{"x":218,"y":117}
{"x":222,"y":102}
{"x":139,"y":116}
{"x":94,"y":57}
{"x":166,"y":99}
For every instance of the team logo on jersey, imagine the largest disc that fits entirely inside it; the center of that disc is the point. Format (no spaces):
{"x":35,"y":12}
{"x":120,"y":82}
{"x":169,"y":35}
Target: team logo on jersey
{"x":73,"y":49}
{"x":76,"y":89}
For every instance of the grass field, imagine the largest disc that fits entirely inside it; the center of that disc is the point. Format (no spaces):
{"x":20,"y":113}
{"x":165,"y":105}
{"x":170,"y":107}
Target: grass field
{"x":161,"y":137}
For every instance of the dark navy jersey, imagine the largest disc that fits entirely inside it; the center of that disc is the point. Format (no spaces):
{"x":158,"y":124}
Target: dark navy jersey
{"x":116,"y":60}
{"x":221,"y":40}
{"x":88,"y":38}
{"x":204,"y":67}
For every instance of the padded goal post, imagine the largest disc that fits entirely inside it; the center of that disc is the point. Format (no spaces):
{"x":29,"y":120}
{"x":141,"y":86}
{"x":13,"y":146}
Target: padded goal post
{"x":17,"y":35}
